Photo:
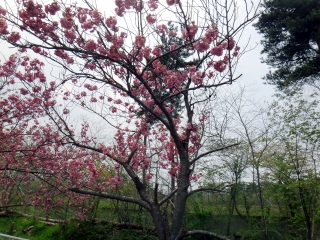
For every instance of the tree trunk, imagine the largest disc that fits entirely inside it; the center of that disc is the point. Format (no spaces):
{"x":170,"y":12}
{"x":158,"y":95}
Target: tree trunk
{"x":232,"y":207}
{"x":305,"y":211}
{"x":180,"y":201}
{"x":159,"y":222}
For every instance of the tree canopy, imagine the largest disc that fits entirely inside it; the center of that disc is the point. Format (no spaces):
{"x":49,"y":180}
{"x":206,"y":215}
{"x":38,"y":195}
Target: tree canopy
{"x":291,"y":40}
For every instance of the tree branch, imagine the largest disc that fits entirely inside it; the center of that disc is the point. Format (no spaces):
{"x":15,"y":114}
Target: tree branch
{"x":184,"y":234}
{"x":168,"y":197}
{"x":212,"y":151}
{"x":112,"y":196}
{"x":211,"y":189}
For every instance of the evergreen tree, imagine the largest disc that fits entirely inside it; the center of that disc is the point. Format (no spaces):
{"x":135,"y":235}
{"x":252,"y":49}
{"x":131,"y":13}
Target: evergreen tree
{"x":291,"y":40}
{"x":174,"y":60}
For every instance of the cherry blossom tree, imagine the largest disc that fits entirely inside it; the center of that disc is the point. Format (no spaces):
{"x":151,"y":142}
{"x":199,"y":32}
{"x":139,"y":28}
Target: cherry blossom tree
{"x":109,"y":67}
{"x":31,"y":152}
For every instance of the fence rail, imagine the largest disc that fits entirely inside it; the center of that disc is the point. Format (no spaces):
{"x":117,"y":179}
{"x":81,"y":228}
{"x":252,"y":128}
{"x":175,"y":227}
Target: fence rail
{"x":11,"y":237}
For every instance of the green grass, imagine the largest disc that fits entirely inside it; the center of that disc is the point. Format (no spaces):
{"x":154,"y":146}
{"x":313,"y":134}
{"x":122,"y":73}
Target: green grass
{"x":40,"y":230}
{"x":200,"y":214}
{"x":72,"y":230}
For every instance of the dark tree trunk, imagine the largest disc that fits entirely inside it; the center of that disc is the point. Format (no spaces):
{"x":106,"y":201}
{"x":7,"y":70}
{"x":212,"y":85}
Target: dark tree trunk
{"x":159,"y":222}
{"x":181,"y":199}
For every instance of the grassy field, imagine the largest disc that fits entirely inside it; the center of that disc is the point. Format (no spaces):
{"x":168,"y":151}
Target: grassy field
{"x":127,"y":221}
{"x":16,"y":225}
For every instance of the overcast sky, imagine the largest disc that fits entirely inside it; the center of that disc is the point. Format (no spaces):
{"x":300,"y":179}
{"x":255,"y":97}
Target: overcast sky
{"x":250,"y":65}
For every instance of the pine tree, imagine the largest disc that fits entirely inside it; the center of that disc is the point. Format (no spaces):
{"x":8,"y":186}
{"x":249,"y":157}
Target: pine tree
{"x":291,"y":40}
{"x":174,"y":60}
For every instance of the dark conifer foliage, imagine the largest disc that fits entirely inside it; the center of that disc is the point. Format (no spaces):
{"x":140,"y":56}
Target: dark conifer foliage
{"x":291,"y":41}
{"x":174,"y":60}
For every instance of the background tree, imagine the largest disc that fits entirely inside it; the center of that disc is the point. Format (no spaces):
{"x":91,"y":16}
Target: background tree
{"x":293,"y":162}
{"x":291,"y":40}
{"x":231,"y":166}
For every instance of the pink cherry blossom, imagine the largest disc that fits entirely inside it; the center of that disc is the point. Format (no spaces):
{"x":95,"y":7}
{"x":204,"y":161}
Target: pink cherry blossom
{"x":70,"y":35}
{"x":66,"y":111}
{"x":3,"y":26}
{"x":111,"y":23}
{"x":152,"y":5}
{"x":14,"y":37}
{"x":218,"y":51}
{"x":139,"y":41}
{"x":139,"y":6}
{"x":151,"y":18}
{"x":157,"y":51}
{"x":190,"y":32}
{"x":52,"y":8}
{"x":66,"y":22}
{"x":91,"y":45}
{"x":119,"y":11}
{"x":201,"y":46}
{"x":162,"y":28}
{"x":231,"y":44}
{"x":24,"y":91}
{"x":170,"y":2}
{"x":148,"y":176}
{"x":3,"y":11}
{"x":220,"y":66}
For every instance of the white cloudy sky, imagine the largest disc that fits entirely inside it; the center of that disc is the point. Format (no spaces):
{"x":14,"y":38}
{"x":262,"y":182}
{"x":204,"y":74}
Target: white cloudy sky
{"x":251,"y":67}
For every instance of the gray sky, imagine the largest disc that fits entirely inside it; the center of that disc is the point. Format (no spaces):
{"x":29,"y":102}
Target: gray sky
{"x":251,"y":68}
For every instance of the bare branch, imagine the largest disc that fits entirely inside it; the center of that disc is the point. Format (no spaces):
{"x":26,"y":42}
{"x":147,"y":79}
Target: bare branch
{"x":184,"y":234}
{"x":211,"y":189}
{"x":212,"y":151}
{"x":112,"y":196}
{"x":170,"y":195}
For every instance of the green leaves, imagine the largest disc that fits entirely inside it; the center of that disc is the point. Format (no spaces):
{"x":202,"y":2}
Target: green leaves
{"x":291,"y":41}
